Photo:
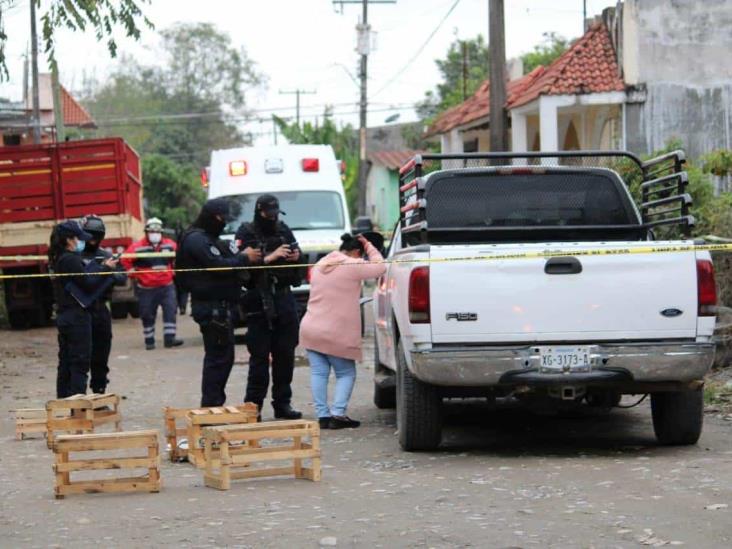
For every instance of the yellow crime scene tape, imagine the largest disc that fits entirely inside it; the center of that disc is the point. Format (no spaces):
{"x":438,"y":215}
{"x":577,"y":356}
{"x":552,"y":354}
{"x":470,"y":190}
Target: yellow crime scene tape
{"x":538,"y":254}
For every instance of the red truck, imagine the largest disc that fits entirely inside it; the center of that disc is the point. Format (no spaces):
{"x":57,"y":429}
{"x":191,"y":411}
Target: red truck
{"x":42,"y":184}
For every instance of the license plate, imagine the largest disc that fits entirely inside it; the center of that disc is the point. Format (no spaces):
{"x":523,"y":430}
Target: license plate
{"x":564,"y":359}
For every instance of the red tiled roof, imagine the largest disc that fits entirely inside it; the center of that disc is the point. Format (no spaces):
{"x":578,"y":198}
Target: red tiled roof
{"x":75,"y":114}
{"x":478,"y":105}
{"x":392,"y":160}
{"x":588,"y":66}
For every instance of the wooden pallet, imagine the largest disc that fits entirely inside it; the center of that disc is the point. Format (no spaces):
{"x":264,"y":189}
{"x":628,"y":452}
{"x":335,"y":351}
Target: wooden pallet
{"x":176,"y":427}
{"x":29,"y":421}
{"x":285,"y":442}
{"x":174,"y":432}
{"x":82,"y":413}
{"x":146,"y":441}
{"x":199,"y":418}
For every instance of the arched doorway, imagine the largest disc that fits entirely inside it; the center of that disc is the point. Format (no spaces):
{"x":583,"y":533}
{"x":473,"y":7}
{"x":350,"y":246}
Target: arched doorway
{"x":571,"y":140}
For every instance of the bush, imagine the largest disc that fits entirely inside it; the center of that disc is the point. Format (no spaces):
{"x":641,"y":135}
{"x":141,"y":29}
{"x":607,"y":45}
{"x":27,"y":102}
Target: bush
{"x":172,"y":191}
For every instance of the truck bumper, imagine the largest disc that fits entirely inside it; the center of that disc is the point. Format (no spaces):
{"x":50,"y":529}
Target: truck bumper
{"x":614,"y":364}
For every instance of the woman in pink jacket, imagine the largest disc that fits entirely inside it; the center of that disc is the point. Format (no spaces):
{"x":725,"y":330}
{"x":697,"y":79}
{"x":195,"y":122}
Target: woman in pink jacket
{"x":331,"y":328}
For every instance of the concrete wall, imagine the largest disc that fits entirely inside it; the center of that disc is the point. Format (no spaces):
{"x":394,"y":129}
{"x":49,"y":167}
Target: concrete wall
{"x":382,"y":197}
{"x":679,"y":50}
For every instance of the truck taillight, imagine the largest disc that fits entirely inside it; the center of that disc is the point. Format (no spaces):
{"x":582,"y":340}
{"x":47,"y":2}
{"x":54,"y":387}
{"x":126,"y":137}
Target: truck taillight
{"x":706,"y":288}
{"x":310,"y":164}
{"x":204,"y":178}
{"x":237,"y":168}
{"x":419,"y":295}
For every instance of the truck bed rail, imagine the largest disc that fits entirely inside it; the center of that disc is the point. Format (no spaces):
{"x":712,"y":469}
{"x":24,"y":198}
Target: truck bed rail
{"x":664,"y":201}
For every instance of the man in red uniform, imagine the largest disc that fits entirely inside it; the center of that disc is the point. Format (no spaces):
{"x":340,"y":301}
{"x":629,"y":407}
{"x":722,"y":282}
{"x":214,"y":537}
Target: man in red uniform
{"x":154,"y":283}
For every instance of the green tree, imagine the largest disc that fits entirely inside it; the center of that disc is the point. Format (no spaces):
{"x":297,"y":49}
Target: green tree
{"x":344,"y":141}
{"x":173,"y":190}
{"x":176,"y":112}
{"x":187,"y":105}
{"x":462,"y":55}
{"x":545,"y":53}
{"x":102,"y":16}
{"x":202,"y":63}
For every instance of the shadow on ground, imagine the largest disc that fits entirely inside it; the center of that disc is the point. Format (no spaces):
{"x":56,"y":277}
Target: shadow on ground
{"x":512,"y":429}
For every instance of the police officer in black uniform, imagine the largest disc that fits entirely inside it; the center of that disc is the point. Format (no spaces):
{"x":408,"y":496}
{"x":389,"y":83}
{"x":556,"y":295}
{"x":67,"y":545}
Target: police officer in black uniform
{"x":101,"y":320}
{"x":272,"y":319}
{"x":74,"y":292}
{"x":214,"y":294}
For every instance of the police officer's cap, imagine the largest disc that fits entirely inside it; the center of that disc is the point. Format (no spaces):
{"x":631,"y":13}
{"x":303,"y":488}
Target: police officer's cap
{"x":218,"y":206}
{"x":71,"y":228}
{"x":94,"y":225}
{"x":268,"y":203}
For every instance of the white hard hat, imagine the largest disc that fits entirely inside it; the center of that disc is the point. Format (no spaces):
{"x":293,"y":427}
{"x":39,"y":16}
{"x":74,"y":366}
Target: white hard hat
{"x":154,"y":224}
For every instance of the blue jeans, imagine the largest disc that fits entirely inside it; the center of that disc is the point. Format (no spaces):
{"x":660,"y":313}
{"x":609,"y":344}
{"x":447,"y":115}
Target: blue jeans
{"x":345,"y":372}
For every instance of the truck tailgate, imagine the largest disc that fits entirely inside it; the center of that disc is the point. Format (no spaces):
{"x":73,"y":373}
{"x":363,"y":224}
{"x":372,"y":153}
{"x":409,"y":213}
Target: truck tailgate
{"x":614,"y":297}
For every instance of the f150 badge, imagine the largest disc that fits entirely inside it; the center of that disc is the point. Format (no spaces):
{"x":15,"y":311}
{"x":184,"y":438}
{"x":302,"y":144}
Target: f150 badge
{"x":462,"y":317}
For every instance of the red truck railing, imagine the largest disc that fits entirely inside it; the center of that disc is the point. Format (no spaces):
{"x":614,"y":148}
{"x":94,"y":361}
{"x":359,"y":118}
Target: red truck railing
{"x":67,"y":180}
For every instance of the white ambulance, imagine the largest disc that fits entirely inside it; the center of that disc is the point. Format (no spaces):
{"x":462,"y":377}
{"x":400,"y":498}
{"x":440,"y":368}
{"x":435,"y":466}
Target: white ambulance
{"x":305,"y":178}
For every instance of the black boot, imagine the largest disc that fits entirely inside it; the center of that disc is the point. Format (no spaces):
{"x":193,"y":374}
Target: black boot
{"x":324,"y":422}
{"x":287,"y":412}
{"x":172,"y":341}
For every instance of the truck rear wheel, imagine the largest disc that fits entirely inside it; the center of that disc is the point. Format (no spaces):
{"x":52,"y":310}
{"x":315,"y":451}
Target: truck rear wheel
{"x":678,"y":417}
{"x":133,"y":307}
{"x":419,"y":410}
{"x":384,"y":386}
{"x":118,"y":310}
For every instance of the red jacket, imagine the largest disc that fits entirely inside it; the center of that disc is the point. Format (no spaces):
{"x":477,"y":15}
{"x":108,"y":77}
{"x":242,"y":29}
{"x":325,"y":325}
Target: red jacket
{"x":163,"y":266}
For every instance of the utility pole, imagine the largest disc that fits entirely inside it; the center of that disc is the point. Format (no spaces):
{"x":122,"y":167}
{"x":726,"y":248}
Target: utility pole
{"x":364,"y":48}
{"x":297,"y":92}
{"x":274,"y":129}
{"x":36,"y":116}
{"x":363,"y":45}
{"x":497,"y":46}
{"x":58,"y":108}
{"x":584,"y":16}
{"x":465,"y":69}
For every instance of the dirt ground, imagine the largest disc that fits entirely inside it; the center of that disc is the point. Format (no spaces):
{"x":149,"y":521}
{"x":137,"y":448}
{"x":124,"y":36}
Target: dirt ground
{"x":504,"y":478}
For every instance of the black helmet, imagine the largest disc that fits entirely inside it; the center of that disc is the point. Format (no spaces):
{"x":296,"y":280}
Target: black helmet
{"x":94,"y":225}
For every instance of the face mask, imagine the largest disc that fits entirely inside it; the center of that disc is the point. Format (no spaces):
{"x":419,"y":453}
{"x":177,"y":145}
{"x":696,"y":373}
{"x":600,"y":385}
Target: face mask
{"x":80,"y":245}
{"x":217,"y":226}
{"x":267,"y":224}
{"x":91,"y":246}
{"x":154,"y":238}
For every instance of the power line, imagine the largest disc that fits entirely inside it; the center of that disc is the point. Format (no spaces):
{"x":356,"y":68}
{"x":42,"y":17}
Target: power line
{"x":399,"y":73}
{"x":148,"y":121}
{"x":214,"y":114}
{"x":297,"y":93}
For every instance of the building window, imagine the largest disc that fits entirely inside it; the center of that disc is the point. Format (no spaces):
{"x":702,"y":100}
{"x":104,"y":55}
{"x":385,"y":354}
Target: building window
{"x":470,"y":146}
{"x":11,"y":140}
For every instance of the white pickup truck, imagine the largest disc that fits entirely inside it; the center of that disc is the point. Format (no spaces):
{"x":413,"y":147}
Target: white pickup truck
{"x":535,"y":281}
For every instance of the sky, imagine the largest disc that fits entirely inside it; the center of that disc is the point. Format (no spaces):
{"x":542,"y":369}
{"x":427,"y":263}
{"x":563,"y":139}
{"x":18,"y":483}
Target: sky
{"x":310,"y":44}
